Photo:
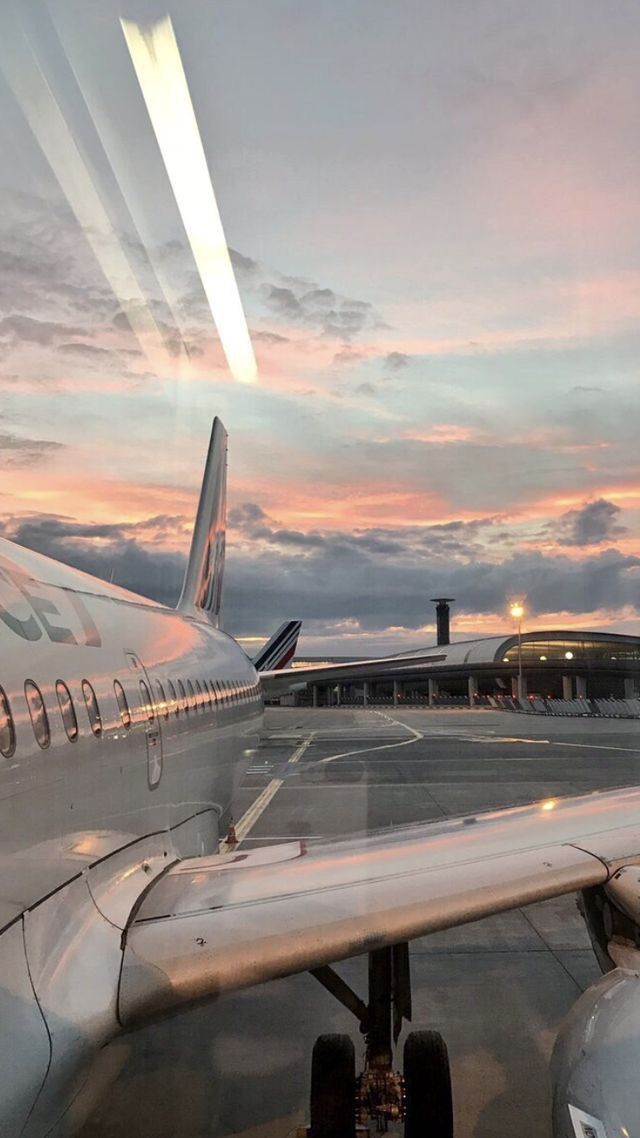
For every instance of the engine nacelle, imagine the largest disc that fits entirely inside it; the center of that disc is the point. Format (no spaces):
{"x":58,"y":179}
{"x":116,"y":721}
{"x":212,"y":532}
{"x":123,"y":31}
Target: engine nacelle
{"x":596,"y":1060}
{"x":595,"y":1067}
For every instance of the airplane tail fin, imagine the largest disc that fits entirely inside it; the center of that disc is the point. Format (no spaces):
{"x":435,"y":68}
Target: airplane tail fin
{"x":202,"y":588}
{"x":280,"y":649}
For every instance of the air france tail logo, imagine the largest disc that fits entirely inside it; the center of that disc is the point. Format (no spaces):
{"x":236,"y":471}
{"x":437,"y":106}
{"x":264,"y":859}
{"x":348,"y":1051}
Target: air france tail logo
{"x":28,"y":611}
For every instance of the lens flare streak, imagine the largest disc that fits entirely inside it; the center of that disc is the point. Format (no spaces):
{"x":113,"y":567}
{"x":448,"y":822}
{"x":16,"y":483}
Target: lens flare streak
{"x":156,"y":59}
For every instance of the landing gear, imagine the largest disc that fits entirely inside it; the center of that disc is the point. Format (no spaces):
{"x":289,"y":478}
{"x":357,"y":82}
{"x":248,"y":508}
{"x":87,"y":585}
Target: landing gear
{"x":343,"y":1105}
{"x":427,"y":1086}
{"x":333,"y":1080}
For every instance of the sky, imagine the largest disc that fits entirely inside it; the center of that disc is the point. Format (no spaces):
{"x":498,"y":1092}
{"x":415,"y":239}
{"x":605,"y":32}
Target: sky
{"x":433,"y":217}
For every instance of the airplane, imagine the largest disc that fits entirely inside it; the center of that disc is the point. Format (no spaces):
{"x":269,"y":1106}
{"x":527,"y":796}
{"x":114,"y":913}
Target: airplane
{"x":280,"y":649}
{"x":125,"y":727}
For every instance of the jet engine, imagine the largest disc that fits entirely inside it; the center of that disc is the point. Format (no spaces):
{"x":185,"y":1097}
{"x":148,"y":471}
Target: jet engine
{"x":595,"y":1066}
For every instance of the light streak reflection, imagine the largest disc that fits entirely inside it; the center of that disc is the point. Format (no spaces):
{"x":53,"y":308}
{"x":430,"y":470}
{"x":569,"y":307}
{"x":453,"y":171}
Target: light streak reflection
{"x":156,"y":59}
{"x":37,"y":102}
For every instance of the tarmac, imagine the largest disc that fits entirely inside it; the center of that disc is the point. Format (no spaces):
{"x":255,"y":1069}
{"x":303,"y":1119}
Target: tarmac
{"x":497,"y":989}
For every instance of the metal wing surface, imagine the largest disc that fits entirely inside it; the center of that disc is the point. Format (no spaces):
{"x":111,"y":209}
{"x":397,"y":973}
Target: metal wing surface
{"x":213,"y":925}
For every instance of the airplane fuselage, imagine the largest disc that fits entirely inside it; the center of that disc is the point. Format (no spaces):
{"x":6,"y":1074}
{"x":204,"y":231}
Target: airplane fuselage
{"x":124,"y":728}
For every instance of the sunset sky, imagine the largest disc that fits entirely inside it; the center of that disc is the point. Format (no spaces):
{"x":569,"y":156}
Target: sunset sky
{"x":433,"y":214}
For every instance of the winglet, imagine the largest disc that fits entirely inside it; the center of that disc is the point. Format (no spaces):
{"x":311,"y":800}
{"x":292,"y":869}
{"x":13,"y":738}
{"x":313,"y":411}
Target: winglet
{"x":202,"y":588}
{"x":277,"y":653}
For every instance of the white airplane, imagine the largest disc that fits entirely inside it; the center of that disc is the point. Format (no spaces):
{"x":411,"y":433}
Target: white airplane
{"x":124,"y":727}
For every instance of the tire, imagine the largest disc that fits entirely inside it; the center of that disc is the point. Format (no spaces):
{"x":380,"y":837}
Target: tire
{"x":333,"y":1087}
{"x":427,"y":1082}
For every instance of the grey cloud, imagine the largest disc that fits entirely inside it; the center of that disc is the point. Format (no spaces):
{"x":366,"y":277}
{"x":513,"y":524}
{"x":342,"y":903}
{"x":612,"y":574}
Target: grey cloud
{"x":378,"y":593}
{"x":84,"y":351}
{"x":282,"y":301}
{"x":68,"y":300}
{"x":26,"y":329}
{"x":375,"y":578}
{"x":18,"y":451}
{"x":348,"y":355}
{"x":319,"y":309}
{"x":270,"y":338}
{"x":241,"y":263}
{"x":112,"y":552}
{"x":39,"y":530}
{"x":395,"y":361}
{"x":450,"y":539}
{"x":246,"y":516}
{"x":322,"y":297}
{"x":593,"y":524}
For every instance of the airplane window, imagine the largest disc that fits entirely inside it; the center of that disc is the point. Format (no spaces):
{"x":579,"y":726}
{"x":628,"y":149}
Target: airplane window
{"x":163,"y":706}
{"x":183,"y":697}
{"x":147,"y":702}
{"x":7,"y":730}
{"x":174,"y":698}
{"x":199,"y":697}
{"x":123,"y":704}
{"x":207,"y":693}
{"x":38,"y":713}
{"x":67,"y":710}
{"x":192,"y":695}
{"x":93,"y":711}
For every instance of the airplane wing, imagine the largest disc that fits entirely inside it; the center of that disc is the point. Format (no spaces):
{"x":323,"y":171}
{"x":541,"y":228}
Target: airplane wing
{"x":218,"y":924}
{"x":277,"y":682}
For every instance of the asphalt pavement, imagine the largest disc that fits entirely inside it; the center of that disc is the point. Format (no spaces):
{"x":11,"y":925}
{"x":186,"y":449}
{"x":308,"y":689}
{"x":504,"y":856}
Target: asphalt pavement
{"x":497,"y":989}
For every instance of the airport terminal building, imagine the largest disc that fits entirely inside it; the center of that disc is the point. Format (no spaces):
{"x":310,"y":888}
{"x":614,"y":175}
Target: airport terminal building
{"x":555,"y":664}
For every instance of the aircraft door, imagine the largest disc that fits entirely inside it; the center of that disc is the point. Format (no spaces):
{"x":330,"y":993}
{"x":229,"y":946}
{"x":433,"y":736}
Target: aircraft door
{"x":153,"y":730}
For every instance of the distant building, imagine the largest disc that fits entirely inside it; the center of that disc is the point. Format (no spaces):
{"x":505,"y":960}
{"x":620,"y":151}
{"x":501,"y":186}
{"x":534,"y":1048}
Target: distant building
{"x":557,"y":664}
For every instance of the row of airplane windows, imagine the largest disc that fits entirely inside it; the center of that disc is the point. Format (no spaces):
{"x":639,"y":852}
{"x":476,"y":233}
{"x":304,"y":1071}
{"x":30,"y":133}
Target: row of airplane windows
{"x":182,"y":698}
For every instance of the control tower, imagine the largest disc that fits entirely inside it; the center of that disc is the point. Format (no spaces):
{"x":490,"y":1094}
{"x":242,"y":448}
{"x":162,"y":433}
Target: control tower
{"x":442,"y":618}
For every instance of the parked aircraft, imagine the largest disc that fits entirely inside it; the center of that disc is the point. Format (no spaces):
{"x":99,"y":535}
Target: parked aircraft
{"x":280,"y":650}
{"x":124,"y":728}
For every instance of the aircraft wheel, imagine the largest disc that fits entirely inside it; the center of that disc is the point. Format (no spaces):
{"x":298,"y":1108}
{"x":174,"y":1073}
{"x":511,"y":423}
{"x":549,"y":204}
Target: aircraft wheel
{"x":427,"y":1082}
{"x":333,"y":1086}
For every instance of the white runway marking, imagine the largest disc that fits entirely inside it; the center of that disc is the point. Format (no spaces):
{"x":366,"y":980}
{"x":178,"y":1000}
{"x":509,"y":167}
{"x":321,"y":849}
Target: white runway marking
{"x":250,"y":817}
{"x":546,"y":743}
{"x":415,"y":735}
{"x":464,"y":738}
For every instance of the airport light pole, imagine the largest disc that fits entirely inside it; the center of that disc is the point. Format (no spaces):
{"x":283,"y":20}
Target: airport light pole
{"x":517,"y":612}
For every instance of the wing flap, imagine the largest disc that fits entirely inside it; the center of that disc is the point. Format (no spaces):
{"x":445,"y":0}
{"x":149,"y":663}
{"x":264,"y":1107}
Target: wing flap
{"x":220,"y":924}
